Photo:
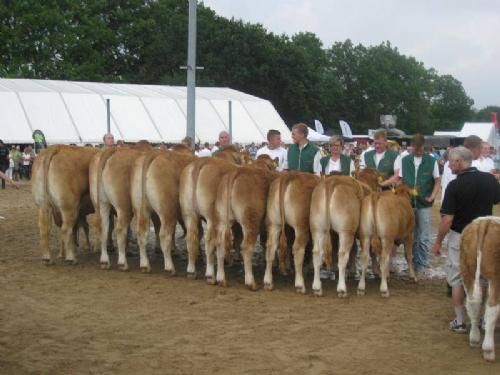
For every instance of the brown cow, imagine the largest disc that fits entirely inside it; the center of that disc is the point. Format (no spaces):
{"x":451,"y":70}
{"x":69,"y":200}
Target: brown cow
{"x":288,"y":202}
{"x":480,"y":257}
{"x":335,"y":205}
{"x":155,"y":188}
{"x":242,"y":199}
{"x":60,"y":185}
{"x":110,"y":173}
{"x":386,"y":217}
{"x":197,"y":194}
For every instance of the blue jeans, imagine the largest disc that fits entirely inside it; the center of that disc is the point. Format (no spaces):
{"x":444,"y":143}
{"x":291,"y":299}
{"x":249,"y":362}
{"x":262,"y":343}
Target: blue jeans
{"x":422,"y":241}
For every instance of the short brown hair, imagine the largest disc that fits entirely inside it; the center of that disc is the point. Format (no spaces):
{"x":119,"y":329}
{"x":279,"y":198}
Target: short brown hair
{"x":381,"y":133}
{"x":418,"y":140}
{"x":301,"y":127}
{"x":473,"y":141}
{"x":272,"y":133}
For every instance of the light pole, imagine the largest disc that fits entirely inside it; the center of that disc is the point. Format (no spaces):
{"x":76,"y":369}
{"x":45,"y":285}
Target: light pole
{"x":191,"y":71}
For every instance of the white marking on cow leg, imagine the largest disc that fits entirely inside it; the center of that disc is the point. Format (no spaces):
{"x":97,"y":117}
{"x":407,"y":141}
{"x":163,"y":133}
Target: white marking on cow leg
{"x":166,"y":231}
{"x":142,"y":230}
{"x":210,"y":250}
{"x":105,"y":208}
{"x":44,"y":229}
{"x":319,"y":243}
{"x":299,"y":248}
{"x":249,"y":239}
{"x":473,"y":305}
{"x":273,"y":232}
{"x":69,"y":218}
{"x":192,"y":243}
{"x":490,"y":318}
{"x":221,"y":272}
{"x":384,"y":266}
{"x":364,"y":257}
{"x":345,"y":243}
{"x":121,"y":238}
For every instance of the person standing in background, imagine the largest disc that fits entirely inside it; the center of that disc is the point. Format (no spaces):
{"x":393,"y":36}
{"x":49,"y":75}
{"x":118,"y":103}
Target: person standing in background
{"x":302,"y":155}
{"x":274,"y":149}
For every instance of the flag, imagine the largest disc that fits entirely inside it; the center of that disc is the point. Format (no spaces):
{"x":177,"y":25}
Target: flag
{"x":346,"y":129}
{"x":319,"y":127}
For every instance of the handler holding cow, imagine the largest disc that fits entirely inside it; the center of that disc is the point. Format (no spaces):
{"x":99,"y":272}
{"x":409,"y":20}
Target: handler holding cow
{"x":420,"y":172}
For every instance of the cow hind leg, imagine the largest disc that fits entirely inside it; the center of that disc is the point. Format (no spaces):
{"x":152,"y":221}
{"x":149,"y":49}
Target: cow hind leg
{"x":44,"y":229}
{"x":385,"y":259}
{"x":491,"y":313}
{"x":210,"y":251}
{"x":271,"y":247}
{"x":223,"y":244}
{"x":166,"y":234}
{"x":192,"y":243}
{"x":299,"y":249}
{"x":345,"y":243}
{"x":122,"y":223}
{"x":319,"y":238}
{"x":364,"y":258}
{"x":69,"y":218}
{"x":409,"y":257}
{"x":249,"y":239}
{"x":104,"y":213}
{"x":142,"y":239}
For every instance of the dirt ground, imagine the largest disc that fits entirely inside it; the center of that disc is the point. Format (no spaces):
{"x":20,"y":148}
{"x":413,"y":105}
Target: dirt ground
{"x":80,"y":319}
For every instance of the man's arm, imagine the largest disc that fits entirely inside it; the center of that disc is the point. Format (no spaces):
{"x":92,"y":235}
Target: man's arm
{"x":395,"y":178}
{"x":444,"y":227}
{"x":437,"y":184}
{"x":317,"y":164}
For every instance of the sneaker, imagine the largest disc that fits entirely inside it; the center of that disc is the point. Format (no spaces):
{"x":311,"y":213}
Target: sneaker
{"x":457,"y":328}
{"x":325,"y":274}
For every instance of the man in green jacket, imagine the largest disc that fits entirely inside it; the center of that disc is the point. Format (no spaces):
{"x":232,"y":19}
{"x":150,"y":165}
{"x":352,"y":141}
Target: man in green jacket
{"x":420,"y":172}
{"x":302,"y":155}
{"x":382,"y":159}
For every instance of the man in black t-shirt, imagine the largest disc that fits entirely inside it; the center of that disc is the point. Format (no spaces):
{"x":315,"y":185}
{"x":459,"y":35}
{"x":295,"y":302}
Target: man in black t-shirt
{"x":471,"y":195}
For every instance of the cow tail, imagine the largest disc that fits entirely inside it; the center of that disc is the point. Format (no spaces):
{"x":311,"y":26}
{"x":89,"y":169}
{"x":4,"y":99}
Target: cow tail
{"x":148,"y":159}
{"x":481,"y":230}
{"x":50,"y":153}
{"x":328,"y":238}
{"x":106,"y":154}
{"x":226,"y":197}
{"x":375,"y":240}
{"x":283,"y":183}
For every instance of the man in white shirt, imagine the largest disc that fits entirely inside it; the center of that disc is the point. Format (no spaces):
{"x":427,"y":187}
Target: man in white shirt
{"x":473,"y":143}
{"x":485,"y":163}
{"x":205,"y":151}
{"x":274,"y":149}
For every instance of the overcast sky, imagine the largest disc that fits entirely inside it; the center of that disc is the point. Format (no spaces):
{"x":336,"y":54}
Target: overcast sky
{"x":457,"y":37}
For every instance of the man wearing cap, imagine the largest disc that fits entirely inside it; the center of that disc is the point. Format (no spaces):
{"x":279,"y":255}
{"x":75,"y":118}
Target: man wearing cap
{"x":420,"y":172}
{"x":303,"y":155}
{"x":336,"y":162}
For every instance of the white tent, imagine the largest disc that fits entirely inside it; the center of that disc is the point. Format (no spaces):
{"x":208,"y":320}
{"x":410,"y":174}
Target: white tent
{"x":75,"y":112}
{"x":484,"y":130}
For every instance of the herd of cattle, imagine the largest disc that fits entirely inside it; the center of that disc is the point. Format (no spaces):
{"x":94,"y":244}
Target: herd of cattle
{"x":240,"y":199}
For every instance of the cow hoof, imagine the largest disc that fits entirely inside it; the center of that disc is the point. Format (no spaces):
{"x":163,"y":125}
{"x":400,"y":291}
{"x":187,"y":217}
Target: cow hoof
{"x":361,"y":292}
{"x":47,"y":262}
{"x":385,"y":294}
{"x":474,"y":344}
{"x":222,"y":283}
{"x":300,"y":289}
{"x":318,"y":292}
{"x":191,"y":275}
{"x":489,"y":355}
{"x":284,"y":273}
{"x":123,"y":267}
{"x":211,"y":280}
{"x":252,"y":287}
{"x":342,"y":294}
{"x":268,"y":286}
{"x":146,"y":269}
{"x":71,"y":262}
{"x":170,"y":272}
{"x":105,"y":265}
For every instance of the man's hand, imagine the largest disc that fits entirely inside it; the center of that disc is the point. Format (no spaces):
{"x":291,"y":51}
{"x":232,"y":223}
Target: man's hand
{"x":436,"y":249}
{"x":430,"y":199}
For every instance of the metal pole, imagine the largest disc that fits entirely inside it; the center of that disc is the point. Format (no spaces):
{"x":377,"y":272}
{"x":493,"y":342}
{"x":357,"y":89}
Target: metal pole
{"x":230,"y":122}
{"x":191,"y":71}
{"x":108,"y":116}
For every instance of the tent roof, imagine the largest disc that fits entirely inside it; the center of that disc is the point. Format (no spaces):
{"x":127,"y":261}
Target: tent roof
{"x":484,"y":130}
{"x":75,"y":112}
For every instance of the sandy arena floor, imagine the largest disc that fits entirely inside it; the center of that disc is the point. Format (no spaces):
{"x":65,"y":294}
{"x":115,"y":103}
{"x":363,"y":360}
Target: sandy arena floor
{"x":82,"y":320}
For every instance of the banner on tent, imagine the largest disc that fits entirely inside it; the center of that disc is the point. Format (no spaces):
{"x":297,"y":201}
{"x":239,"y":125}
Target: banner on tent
{"x":346,"y":129}
{"x":319,"y":127}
